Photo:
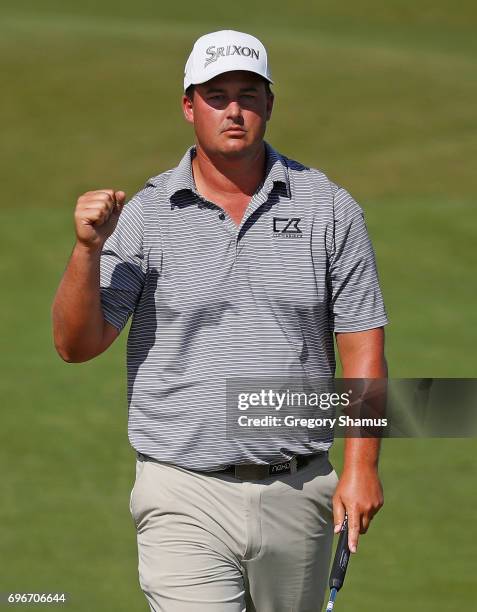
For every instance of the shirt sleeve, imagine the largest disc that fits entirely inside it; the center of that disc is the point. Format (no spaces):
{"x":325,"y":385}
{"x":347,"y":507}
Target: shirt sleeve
{"x":356,"y":298}
{"x":122,"y":270}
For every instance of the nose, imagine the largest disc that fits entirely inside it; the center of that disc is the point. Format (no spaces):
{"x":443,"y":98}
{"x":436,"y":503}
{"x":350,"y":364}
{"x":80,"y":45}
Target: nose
{"x":234,"y":111}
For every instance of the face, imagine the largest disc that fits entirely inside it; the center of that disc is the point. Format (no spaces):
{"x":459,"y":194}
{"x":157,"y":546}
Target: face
{"x":229,"y":113}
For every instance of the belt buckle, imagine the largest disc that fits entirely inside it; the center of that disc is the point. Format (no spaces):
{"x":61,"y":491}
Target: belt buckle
{"x":259,"y":472}
{"x":285,"y":467}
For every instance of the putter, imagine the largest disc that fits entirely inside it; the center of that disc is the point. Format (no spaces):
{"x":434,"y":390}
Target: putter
{"x":340,"y":563}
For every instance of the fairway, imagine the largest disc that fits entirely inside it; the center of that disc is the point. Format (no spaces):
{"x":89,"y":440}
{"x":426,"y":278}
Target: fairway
{"x":381,"y":97}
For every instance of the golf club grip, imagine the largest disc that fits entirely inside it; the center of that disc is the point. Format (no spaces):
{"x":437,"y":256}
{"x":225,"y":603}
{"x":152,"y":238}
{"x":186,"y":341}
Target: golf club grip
{"x":340,"y":562}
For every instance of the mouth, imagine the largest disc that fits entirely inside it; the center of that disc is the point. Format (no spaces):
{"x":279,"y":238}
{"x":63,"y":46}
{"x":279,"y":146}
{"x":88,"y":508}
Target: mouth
{"x":234,"y":130}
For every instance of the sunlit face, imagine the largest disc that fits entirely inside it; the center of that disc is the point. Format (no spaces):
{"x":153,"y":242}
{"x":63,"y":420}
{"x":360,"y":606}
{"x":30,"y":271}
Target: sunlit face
{"x":229,"y":113}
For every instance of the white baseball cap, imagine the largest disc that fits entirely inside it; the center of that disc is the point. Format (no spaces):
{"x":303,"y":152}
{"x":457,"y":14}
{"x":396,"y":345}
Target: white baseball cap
{"x":224,"y":51}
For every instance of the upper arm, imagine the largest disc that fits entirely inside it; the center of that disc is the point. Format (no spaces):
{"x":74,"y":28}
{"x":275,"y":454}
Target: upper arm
{"x":356,"y":302}
{"x":122,"y":269}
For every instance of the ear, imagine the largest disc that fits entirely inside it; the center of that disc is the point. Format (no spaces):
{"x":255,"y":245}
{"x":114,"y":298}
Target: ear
{"x":270,"y":101}
{"x":188,"y":109}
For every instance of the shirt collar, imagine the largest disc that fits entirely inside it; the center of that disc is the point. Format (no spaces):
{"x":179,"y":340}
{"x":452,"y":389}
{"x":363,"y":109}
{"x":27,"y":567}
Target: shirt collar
{"x":182,"y":179}
{"x":276,"y":171}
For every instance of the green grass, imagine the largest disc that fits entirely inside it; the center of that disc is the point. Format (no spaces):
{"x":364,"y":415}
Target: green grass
{"x":381,"y":96}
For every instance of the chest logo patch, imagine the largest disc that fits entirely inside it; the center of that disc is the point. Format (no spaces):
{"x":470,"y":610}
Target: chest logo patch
{"x":287,"y":227}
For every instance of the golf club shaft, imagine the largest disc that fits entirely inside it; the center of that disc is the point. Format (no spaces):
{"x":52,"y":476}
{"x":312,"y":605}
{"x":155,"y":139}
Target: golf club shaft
{"x":331,"y":601}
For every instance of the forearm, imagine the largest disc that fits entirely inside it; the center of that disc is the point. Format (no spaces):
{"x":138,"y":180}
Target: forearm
{"x":78,"y":321}
{"x":361,"y":453}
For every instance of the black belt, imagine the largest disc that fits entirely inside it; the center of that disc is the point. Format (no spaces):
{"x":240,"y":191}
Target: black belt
{"x":254,"y":471}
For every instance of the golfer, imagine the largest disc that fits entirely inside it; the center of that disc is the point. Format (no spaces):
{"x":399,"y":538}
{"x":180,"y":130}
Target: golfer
{"x":239,"y":263}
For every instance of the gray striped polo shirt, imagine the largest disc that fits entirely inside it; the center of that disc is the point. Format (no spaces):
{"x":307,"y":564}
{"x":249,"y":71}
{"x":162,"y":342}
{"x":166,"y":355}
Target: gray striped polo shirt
{"x":211,"y":301}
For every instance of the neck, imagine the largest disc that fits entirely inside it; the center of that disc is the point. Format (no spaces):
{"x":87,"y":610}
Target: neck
{"x":229,"y":176}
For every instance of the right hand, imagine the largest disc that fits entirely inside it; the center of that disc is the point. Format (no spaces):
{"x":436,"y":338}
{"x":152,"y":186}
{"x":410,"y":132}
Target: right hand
{"x":96,"y":216}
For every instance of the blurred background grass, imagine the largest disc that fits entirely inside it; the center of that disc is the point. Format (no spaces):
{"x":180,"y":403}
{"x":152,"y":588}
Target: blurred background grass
{"x":381,"y":96}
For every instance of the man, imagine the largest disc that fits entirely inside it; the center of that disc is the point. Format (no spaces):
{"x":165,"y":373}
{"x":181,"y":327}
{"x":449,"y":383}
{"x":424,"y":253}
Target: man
{"x":242,"y":263}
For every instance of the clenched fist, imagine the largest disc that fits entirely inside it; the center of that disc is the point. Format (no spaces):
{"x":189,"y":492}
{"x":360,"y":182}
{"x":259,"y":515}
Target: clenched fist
{"x":96,"y":216}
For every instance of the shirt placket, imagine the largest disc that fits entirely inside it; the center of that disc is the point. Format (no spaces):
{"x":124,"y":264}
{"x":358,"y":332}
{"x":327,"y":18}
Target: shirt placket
{"x":258,"y":199}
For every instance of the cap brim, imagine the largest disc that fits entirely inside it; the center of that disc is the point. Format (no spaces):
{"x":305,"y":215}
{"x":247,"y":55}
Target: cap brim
{"x":216,"y":73}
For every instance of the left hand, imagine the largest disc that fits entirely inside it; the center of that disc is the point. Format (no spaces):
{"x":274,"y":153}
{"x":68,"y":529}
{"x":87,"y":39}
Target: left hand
{"x":359,"y":494}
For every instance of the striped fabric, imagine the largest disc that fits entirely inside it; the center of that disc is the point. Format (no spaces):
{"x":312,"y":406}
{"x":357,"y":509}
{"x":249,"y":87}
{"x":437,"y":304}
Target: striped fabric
{"x":212,"y":301}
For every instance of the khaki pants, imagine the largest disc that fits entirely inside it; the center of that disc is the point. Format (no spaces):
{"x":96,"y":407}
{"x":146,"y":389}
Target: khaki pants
{"x":211,"y":543}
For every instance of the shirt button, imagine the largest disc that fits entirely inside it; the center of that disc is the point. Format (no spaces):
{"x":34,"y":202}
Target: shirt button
{"x":222,"y":216}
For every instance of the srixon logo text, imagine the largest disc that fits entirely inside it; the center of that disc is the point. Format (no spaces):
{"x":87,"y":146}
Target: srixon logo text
{"x":214,"y":53}
{"x":287,"y":227}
